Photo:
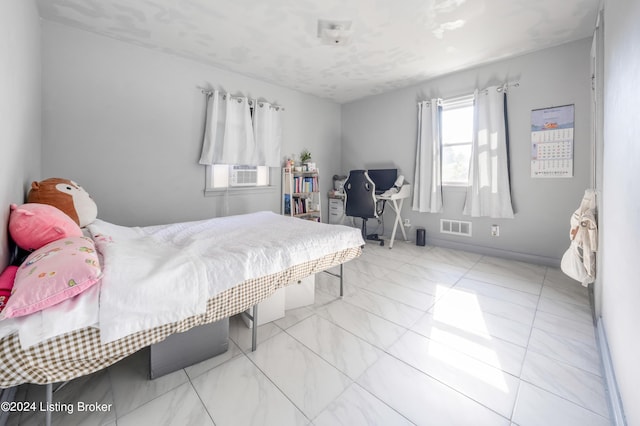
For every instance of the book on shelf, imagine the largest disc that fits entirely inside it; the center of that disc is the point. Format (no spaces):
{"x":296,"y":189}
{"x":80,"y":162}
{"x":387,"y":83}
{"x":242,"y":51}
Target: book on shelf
{"x":305,"y":184}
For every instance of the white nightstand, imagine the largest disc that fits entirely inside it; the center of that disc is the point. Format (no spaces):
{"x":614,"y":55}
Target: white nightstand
{"x":336,"y":210}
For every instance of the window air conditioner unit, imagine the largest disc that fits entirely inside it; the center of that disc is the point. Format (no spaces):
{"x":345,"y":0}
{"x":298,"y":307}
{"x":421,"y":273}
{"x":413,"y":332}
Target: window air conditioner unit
{"x":243,"y":176}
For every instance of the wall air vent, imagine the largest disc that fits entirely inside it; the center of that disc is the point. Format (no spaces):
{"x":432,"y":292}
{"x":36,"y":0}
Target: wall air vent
{"x":455,"y":227}
{"x":243,"y":176}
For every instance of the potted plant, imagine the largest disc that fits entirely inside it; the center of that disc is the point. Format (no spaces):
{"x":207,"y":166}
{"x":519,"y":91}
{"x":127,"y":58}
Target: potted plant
{"x":305,"y":159}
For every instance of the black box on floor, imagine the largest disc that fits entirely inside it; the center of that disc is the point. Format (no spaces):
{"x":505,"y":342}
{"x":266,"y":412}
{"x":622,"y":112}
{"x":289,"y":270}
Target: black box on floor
{"x":420,"y":237}
{"x":181,"y":350}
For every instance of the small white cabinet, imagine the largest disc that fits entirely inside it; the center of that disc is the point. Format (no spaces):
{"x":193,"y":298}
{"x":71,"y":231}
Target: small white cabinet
{"x":336,"y":210}
{"x":300,"y":293}
{"x":294,"y":295}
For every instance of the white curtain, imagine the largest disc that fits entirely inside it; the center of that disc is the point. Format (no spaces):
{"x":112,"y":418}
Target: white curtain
{"x":211,"y":130}
{"x":427,"y":189}
{"x":229,"y":134}
{"x":488,"y":193}
{"x":267,"y":130}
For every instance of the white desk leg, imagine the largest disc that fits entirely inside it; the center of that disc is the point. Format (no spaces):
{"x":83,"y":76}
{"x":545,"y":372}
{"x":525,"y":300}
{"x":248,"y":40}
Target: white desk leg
{"x":394,"y":204}
{"x":404,"y":234}
{"x":398,"y":208}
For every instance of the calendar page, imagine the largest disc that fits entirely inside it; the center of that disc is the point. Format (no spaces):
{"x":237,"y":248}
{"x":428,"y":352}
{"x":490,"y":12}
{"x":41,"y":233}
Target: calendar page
{"x":552,"y":142}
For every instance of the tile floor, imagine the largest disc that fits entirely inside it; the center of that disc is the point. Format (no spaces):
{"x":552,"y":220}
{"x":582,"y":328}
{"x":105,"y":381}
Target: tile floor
{"x":424,"y":335}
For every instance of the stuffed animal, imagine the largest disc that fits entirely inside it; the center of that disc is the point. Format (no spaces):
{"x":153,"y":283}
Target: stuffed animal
{"x":67,"y":196}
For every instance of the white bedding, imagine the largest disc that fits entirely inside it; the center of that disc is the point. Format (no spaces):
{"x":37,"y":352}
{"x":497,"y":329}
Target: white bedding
{"x":159,"y":274}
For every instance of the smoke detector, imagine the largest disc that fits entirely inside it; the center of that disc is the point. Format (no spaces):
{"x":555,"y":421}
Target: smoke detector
{"x":334,"y":32}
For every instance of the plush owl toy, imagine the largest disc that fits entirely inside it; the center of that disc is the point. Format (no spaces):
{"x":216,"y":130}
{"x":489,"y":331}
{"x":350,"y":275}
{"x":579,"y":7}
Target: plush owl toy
{"x":67,"y":196}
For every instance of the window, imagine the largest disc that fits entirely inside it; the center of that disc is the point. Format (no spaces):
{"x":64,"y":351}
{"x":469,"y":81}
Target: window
{"x":457,"y":131}
{"x":222,"y":176}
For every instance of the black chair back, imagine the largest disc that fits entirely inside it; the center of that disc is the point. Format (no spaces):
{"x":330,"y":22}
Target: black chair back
{"x":360,"y":199}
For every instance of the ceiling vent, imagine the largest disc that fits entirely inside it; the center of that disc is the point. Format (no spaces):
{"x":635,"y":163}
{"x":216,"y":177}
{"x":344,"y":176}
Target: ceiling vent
{"x":335,"y":33}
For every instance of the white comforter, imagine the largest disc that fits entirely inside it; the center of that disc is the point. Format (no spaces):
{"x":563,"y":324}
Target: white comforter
{"x":160,"y":274}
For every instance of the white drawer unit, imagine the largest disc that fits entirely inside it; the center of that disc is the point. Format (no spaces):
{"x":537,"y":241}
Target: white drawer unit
{"x":270,"y":309}
{"x":300,"y":293}
{"x":294,"y":295}
{"x":336,"y":210}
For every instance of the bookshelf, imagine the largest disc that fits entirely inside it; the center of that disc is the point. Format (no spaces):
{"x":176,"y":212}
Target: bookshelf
{"x":301,"y":194}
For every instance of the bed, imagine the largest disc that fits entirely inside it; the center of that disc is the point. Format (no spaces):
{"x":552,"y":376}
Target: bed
{"x":38,"y":350}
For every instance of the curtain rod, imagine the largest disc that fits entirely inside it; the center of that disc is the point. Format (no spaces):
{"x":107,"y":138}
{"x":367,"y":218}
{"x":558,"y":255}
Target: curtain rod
{"x":208,"y":93}
{"x":462,"y":98}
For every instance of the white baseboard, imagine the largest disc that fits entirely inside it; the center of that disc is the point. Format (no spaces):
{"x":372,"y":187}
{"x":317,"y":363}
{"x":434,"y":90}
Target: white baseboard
{"x":615,"y":403}
{"x":488,"y":251}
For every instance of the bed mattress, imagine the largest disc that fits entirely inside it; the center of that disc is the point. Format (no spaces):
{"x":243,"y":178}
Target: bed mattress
{"x":81,"y":352}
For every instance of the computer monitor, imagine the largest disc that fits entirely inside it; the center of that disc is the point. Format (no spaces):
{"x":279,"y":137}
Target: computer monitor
{"x":383,"y":178}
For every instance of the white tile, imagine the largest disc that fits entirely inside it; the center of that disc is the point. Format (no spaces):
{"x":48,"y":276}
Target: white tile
{"x":195,"y":370}
{"x":365,"y":266}
{"x":432,"y":274}
{"x":518,"y":297}
{"x":459,"y":258}
{"x":511,"y":268}
{"x":293,"y":317}
{"x":390,"y":259}
{"x":357,"y":407}
{"x":573,"y":352}
{"x":369,"y":327}
{"x":384,"y":307}
{"x":462,"y":299}
{"x":385,"y":287}
{"x":438,"y":265}
{"x":331,"y":285}
{"x":569,"y":293}
{"x":418,"y":283}
{"x":572,"y":311}
{"x":474,"y":320}
{"x":181,"y":406}
{"x":132,"y":386}
{"x":306,"y":379}
{"x":343,"y":350}
{"x":576,"y":385}
{"x":481,"y":382}
{"x":508,"y":281}
{"x":237,"y":393}
{"x":323,"y":299}
{"x":577,"y":330}
{"x":555,"y":276}
{"x":422,"y":399}
{"x":240,"y":334}
{"x":490,"y":350}
{"x":401,"y":249}
{"x":94,"y":388}
{"x":537,"y":407}
{"x":559,"y":286}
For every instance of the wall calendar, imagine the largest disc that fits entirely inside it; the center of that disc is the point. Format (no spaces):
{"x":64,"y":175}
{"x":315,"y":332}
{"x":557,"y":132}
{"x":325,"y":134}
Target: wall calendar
{"x":552,"y":142}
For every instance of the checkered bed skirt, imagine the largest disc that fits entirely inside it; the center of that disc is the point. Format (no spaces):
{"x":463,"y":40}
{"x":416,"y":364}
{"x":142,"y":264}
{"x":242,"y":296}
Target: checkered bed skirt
{"x":80,"y":352}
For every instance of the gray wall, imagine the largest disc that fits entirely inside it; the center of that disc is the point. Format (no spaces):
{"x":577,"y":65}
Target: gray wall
{"x":621,"y":198}
{"x":381,"y":131}
{"x":20,"y":97}
{"x":126,"y":123}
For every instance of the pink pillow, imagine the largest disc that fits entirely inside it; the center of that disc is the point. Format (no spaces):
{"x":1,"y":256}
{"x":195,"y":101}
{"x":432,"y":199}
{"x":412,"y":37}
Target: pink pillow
{"x":33,"y":225}
{"x":53,"y":273}
{"x":6,"y":284}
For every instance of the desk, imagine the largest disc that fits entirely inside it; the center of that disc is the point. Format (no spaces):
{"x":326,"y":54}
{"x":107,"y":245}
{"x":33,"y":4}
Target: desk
{"x":396,"y":201}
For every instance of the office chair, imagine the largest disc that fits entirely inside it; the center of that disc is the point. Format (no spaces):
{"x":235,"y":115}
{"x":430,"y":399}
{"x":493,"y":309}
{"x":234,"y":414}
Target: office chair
{"x":360,"y":200}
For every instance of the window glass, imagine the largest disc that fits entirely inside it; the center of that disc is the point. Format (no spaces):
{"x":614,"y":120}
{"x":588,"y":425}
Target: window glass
{"x":457,"y":131}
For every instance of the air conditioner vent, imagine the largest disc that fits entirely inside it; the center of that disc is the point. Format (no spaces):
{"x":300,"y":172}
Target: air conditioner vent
{"x":243,"y":176}
{"x":455,"y":227}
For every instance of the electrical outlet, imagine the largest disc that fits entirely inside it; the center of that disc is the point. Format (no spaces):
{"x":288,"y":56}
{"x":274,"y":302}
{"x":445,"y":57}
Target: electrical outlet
{"x":495,"y":230}
{"x":407,"y":222}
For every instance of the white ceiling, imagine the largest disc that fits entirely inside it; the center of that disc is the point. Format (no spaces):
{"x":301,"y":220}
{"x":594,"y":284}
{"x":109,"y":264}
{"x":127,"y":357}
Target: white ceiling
{"x":395,"y":43}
